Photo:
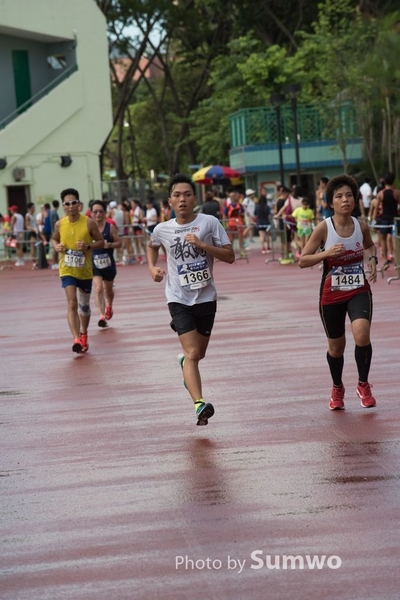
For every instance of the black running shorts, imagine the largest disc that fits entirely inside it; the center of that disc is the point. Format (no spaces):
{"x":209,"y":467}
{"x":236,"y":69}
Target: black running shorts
{"x":333,"y":316}
{"x":106,"y":274}
{"x":198,"y":317}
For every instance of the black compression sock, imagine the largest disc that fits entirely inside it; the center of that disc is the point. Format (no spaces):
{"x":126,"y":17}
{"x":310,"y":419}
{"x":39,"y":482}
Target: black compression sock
{"x":363,"y":356}
{"x":336,"y":368}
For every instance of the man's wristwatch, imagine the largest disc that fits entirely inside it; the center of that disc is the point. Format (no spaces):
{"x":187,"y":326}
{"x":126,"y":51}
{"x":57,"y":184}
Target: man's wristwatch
{"x":376,"y":259}
{"x":88,"y":247}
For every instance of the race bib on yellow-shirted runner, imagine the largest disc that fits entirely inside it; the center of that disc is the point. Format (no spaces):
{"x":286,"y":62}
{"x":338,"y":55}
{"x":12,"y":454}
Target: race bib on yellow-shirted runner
{"x":74,"y":258}
{"x":194,"y":275}
{"x":347,"y":277}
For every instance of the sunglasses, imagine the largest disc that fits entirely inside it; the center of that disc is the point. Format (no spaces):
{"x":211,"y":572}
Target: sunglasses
{"x":97,"y":212}
{"x":72,"y":203}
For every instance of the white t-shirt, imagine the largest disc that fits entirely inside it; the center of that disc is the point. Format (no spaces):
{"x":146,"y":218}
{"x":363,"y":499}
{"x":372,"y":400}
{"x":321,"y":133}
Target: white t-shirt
{"x":151,"y":217}
{"x":118,"y":216}
{"x":190,"y":269}
{"x":366,"y":193}
{"x":249,"y":205}
{"x":18,"y":226}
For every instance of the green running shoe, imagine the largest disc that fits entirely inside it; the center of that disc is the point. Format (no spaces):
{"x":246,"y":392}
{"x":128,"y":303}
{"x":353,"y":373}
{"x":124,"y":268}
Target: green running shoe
{"x":204,"y":412}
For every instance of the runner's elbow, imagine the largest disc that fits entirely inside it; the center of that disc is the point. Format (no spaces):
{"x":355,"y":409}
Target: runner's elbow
{"x":302,"y":262}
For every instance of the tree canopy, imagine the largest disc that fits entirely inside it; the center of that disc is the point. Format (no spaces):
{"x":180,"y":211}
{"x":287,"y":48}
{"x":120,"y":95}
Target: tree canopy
{"x":215,"y":57}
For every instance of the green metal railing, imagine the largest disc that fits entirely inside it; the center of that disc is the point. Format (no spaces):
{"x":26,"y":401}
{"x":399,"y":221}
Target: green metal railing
{"x":43,"y":92}
{"x":253,"y":126}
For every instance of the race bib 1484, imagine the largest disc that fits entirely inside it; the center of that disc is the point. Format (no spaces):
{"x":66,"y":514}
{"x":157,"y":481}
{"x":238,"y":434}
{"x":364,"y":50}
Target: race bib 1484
{"x":347,"y":277}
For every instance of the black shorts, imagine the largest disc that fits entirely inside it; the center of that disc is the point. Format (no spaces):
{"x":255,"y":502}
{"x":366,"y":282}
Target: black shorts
{"x":382,"y":221}
{"x":333,"y":316}
{"x":106,"y":274}
{"x":198,"y":317}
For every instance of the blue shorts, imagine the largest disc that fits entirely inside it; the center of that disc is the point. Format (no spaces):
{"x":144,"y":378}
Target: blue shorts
{"x":83,"y":284}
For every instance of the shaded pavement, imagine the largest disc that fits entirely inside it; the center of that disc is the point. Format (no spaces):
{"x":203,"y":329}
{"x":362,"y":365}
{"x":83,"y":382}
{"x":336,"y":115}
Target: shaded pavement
{"x":109,"y":490}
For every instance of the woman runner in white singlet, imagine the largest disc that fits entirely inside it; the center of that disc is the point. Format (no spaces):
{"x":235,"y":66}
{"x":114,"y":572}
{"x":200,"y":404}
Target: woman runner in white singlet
{"x":342,"y":243}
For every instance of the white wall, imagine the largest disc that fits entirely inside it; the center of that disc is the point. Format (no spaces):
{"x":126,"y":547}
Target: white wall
{"x":75,"y":118}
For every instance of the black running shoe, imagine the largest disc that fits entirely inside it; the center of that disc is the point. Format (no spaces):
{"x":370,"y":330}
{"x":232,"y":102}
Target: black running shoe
{"x":102,"y":322}
{"x":77,"y":346}
{"x":203,"y":413}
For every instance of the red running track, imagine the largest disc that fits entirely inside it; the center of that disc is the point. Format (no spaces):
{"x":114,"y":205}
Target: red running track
{"x":109,"y":490}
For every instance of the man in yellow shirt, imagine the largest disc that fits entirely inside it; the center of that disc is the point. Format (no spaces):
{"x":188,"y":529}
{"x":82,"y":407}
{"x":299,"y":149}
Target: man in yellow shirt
{"x":305,"y":219}
{"x":75,"y":236}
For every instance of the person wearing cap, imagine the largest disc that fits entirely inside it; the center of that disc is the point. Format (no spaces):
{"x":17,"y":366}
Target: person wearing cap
{"x":17,"y":228}
{"x":249,"y":214}
{"x":74,"y":238}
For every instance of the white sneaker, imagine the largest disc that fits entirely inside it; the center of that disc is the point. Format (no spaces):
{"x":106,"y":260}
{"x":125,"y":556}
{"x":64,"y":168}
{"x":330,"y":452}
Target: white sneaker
{"x":20,"y":263}
{"x":54,"y":266}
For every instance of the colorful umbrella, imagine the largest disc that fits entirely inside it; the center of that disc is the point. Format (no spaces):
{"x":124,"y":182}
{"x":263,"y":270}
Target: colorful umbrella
{"x":215,"y":174}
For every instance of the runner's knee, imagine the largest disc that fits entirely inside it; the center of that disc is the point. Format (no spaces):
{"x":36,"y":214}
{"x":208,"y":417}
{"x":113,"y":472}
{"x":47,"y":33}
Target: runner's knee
{"x":83,"y":304}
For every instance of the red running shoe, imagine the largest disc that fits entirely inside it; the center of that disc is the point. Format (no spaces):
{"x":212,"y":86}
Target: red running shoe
{"x":109,"y":312}
{"x":365,"y":395}
{"x":77,"y":346}
{"x":84,"y":342}
{"x":337,"y":398}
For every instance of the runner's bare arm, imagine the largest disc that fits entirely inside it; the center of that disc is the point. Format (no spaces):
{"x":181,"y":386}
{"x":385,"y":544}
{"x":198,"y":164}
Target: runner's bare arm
{"x":95,"y":235}
{"x":152,"y":256}
{"x":310,"y":257}
{"x":116,"y":240}
{"x":55,"y":240}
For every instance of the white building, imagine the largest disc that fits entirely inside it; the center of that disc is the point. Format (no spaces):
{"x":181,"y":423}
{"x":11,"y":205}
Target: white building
{"x":55,"y":99}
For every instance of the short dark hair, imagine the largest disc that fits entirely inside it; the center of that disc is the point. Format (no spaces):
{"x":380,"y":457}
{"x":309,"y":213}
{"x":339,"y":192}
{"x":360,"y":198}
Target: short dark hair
{"x":297,"y":191}
{"x":337,"y":182}
{"x":29,"y":205}
{"x":55,"y":203}
{"x":180,"y":178}
{"x":389,"y":178}
{"x":100,"y":202}
{"x":69,"y":192}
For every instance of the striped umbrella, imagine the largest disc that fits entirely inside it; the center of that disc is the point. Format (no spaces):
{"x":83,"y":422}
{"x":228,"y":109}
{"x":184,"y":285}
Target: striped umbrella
{"x":216,"y":174}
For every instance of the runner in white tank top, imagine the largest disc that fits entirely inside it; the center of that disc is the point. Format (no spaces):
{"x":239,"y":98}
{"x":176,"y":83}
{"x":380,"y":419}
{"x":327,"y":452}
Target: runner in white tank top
{"x":342,"y":242}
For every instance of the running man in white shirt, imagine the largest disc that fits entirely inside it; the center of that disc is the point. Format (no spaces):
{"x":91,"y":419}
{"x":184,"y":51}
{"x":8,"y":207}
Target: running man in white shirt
{"x":191,"y":242}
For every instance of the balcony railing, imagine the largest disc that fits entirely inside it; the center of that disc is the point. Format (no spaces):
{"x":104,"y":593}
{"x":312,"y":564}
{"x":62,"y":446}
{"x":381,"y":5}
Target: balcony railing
{"x":43,"y":92}
{"x":255,"y":126}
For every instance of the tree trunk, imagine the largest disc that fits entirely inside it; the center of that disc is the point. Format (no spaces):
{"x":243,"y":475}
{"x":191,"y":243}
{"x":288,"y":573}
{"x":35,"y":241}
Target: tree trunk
{"x":389,"y":133}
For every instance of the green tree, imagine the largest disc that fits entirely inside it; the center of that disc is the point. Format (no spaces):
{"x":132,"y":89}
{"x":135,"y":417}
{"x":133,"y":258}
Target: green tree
{"x":218,"y":56}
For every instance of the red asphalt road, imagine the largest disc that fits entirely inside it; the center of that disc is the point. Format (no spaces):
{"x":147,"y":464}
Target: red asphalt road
{"x":106,"y":480}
